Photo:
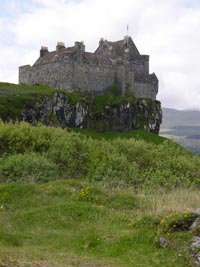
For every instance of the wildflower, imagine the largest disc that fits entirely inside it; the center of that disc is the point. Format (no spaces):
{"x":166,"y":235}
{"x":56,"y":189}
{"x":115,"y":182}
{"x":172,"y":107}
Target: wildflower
{"x":100,"y":207}
{"x":162,"y":221}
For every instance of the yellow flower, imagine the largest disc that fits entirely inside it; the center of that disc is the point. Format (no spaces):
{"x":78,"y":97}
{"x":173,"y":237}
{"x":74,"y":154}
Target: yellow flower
{"x":100,"y":207}
{"x":162,"y":221}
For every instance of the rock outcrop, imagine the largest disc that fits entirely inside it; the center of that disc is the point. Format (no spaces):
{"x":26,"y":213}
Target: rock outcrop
{"x":59,"y":110}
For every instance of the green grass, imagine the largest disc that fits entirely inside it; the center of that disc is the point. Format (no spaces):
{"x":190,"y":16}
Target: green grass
{"x":103,"y":202}
{"x":102,"y":101}
{"x":9,"y":89}
{"x":139,"y":134}
{"x":13,"y":98}
{"x":74,"y":223}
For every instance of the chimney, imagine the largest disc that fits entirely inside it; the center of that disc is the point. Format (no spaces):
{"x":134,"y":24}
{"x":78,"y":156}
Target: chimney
{"x":43,"y":51}
{"x":101,"y":42}
{"x":79,"y":46}
{"x":60,"y":46}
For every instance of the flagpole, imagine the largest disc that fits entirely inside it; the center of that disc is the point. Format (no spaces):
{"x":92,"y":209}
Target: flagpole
{"x":127,"y":36}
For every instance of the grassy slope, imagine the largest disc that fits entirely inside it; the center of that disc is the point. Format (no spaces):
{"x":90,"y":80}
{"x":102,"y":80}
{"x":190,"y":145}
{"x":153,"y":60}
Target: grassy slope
{"x":75,"y":222}
{"x":71,"y":223}
{"x":80,"y":223}
{"x":136,"y":134}
{"x":13,"y":97}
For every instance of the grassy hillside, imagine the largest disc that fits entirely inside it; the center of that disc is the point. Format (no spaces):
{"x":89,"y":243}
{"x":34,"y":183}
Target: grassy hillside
{"x":135,"y":134}
{"x":44,"y":153}
{"x":13,"y":97}
{"x":75,"y":223}
{"x":87,"y":199}
{"x":72,"y":197}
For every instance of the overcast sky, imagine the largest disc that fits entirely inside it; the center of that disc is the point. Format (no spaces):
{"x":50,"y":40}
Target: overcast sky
{"x":167,"y":30}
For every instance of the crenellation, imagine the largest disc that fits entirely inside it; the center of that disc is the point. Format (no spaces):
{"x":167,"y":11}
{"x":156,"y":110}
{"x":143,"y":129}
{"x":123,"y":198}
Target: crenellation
{"x":72,"y":68}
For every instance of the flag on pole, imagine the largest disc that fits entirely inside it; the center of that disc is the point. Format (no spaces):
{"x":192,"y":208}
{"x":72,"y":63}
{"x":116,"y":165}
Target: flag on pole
{"x":127,"y":29}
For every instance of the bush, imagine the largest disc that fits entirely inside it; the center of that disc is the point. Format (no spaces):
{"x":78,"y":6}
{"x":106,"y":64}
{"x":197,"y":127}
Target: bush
{"x":33,"y":153}
{"x":27,"y":168}
{"x":107,"y":164}
{"x":22,"y":137}
{"x":71,"y":154}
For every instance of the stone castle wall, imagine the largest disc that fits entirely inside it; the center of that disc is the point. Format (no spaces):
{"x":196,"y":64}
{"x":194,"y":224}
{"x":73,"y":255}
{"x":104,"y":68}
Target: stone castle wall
{"x":141,"y":65}
{"x":85,"y":77}
{"x":74,"y":69}
{"x":145,"y":90}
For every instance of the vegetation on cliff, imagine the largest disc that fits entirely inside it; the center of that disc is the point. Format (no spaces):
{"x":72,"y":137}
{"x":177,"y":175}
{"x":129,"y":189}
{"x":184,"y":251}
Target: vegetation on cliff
{"x":13,"y":98}
{"x":110,"y":111}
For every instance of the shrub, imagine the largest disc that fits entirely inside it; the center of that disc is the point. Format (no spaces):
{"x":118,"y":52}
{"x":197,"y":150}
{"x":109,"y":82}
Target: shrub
{"x":114,"y":160}
{"x":27,"y":168}
{"x":71,"y":154}
{"x":114,"y":169}
{"x":22,"y":137}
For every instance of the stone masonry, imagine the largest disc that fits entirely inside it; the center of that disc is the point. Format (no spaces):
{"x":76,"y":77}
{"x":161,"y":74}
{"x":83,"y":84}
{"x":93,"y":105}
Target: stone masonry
{"x":73,"y":68}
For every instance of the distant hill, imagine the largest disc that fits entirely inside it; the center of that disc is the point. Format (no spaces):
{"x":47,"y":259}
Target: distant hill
{"x":173,"y":117}
{"x":183,"y":126}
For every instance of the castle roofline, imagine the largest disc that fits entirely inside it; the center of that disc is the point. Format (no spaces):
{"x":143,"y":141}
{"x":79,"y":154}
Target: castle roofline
{"x":55,"y":55}
{"x":118,"y":48}
{"x":108,"y":53}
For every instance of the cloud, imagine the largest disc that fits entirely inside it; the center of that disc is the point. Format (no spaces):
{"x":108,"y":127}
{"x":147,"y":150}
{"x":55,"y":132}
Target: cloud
{"x":166,"y":30}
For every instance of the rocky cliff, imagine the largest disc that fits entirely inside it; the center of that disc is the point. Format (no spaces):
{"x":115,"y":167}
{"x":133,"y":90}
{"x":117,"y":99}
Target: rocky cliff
{"x":102,"y":113}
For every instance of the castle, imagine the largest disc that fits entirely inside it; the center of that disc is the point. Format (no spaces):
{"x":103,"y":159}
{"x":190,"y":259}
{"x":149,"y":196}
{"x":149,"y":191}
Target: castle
{"x":72,"y":68}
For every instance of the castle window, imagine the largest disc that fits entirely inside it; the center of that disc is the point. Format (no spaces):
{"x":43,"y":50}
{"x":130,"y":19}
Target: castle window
{"x":104,"y":51}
